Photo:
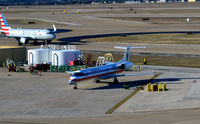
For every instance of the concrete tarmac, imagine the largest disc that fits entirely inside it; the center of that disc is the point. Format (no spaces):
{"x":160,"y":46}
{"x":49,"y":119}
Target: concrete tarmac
{"x":26,"y":98}
{"x":48,"y":99}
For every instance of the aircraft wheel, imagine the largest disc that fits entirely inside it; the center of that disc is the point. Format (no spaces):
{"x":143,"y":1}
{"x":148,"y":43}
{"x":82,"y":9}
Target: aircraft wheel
{"x":34,"y":42}
{"x":116,"y":80}
{"x":48,"y":41}
{"x":19,"y":43}
{"x":75,"y":88}
{"x":97,"y":81}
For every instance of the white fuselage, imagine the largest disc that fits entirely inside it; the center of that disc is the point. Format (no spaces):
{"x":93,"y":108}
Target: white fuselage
{"x":106,"y":71}
{"x":96,"y":72}
{"x":31,"y":34}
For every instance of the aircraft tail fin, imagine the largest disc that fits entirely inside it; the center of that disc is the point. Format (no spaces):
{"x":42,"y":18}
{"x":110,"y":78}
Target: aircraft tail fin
{"x":4,"y":24}
{"x":127,"y":53}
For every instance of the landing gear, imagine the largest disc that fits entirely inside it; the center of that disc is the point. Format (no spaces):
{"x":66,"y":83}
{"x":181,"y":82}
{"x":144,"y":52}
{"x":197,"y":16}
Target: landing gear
{"x":48,"y":42}
{"x":97,"y":81}
{"x":26,"y":41}
{"x":44,"y":42}
{"x":19,"y":43}
{"x":35,"y":42}
{"x":115,"y":80}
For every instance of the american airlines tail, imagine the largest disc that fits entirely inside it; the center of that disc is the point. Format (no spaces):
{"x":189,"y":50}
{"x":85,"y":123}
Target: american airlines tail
{"x":4,"y":25}
{"x":127,"y":53}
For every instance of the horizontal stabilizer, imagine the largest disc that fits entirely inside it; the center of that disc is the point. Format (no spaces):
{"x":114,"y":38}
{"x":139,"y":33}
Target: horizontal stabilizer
{"x":129,"y":47}
{"x":127,"y":53}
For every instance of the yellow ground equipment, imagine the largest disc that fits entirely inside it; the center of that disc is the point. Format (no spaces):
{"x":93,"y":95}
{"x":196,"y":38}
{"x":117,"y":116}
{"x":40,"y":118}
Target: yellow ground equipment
{"x":109,"y":57}
{"x":164,"y":87}
{"x":106,"y":58}
{"x":156,"y":87}
{"x":10,"y":64}
{"x":148,"y":87}
{"x":137,"y":68}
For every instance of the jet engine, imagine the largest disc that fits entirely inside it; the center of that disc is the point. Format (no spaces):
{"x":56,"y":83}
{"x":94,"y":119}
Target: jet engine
{"x":128,"y":66}
{"x":23,"y":40}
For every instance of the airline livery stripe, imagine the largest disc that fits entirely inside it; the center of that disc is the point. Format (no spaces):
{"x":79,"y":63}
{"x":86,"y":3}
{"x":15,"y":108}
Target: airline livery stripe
{"x":4,"y":29}
{"x":99,"y":75}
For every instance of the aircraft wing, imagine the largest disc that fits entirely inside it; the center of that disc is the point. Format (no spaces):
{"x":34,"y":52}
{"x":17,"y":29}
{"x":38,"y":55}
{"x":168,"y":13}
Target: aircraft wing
{"x":137,"y":74}
{"x":70,"y":72}
{"x":123,"y":75}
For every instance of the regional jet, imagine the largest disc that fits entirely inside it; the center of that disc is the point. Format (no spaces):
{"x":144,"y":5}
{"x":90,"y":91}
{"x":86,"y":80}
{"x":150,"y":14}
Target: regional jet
{"x":109,"y":70}
{"x":24,"y":35}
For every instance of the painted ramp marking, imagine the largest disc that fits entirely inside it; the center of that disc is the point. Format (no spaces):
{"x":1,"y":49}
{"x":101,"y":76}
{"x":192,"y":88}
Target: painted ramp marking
{"x":130,"y":95}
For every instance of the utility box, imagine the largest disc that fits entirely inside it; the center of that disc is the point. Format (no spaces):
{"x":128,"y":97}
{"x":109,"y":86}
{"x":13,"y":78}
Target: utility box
{"x":39,"y":56}
{"x":62,"y":57}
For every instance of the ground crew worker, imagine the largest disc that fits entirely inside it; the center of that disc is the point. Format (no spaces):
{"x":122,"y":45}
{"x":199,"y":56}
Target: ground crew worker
{"x":145,"y":61}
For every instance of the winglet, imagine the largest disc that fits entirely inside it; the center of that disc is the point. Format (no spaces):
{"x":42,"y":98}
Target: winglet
{"x":54,"y":28}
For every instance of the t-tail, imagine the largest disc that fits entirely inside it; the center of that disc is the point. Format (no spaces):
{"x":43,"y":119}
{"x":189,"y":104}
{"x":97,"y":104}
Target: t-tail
{"x":127,"y":53}
{"x":4,"y":24}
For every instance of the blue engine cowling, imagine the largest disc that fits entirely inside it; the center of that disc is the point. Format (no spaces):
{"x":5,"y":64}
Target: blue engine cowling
{"x":128,"y":66}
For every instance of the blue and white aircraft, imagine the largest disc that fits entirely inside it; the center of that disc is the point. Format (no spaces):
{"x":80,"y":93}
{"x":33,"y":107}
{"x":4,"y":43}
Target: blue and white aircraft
{"x":109,"y":70}
{"x":25,"y":35}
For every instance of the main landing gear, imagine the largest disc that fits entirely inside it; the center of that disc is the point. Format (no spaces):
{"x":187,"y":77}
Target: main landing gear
{"x":47,"y":42}
{"x":115,"y":80}
{"x":19,"y":43}
{"x":35,"y":42}
{"x":97,"y":81}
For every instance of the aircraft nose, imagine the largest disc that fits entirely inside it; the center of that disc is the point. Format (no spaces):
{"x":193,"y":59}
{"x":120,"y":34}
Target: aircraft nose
{"x":53,"y":36}
{"x":71,"y":82}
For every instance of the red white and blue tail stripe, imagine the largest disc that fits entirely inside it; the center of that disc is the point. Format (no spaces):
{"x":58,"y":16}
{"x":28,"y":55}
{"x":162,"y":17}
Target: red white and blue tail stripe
{"x":4,"y":25}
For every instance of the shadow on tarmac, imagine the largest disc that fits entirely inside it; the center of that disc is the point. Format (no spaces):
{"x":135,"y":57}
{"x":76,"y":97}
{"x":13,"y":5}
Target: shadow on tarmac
{"x":77,"y":40}
{"x":61,"y":30}
{"x":138,"y":83}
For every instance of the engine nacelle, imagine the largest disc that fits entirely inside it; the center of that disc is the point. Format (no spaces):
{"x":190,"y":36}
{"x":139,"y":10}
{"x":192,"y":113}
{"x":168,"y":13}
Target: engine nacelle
{"x":23,"y":40}
{"x":128,"y":66}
